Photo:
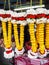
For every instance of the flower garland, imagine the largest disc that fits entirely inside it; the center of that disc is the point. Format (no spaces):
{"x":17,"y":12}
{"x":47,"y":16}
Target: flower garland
{"x":16,"y":36}
{"x":47,"y":36}
{"x":47,"y":32}
{"x":7,"y":35}
{"x":21,"y":36}
{"x":33,"y":17}
{"x":37,"y":26}
{"x":32,"y":37}
{"x":41,"y":38}
{"x":4,"y":33}
{"x":19,"y":20}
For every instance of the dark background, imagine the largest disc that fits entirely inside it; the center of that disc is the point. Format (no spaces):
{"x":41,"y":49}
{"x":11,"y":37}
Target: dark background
{"x":13,"y":3}
{"x":4,"y":61}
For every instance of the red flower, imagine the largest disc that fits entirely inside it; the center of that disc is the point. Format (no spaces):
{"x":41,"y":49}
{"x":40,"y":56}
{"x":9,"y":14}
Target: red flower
{"x":15,"y":18}
{"x":3,"y":15}
{"x":8,"y":51}
{"x":30,"y":16}
{"x":41,"y":15}
{"x":8,"y":15}
{"x":21,"y":18}
{"x":47,"y":16}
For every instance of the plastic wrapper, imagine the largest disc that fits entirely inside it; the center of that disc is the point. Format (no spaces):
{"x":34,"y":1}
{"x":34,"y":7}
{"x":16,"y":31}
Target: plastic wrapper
{"x":24,"y":60}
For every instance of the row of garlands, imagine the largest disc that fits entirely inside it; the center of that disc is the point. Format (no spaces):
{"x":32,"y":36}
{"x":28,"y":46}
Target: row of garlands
{"x":37,"y":20}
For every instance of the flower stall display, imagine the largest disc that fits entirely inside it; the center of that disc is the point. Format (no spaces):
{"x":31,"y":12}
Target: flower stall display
{"x":14,"y":23}
{"x":6,"y":35}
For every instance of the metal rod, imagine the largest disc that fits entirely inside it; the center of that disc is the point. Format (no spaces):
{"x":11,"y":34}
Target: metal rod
{"x":25,"y":8}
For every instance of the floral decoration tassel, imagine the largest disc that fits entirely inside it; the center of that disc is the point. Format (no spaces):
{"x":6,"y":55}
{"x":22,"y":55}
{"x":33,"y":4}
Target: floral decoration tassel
{"x":47,"y":36}
{"x":21,"y":36}
{"x":16,"y":36}
{"x":4,"y":33}
{"x":32,"y":37}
